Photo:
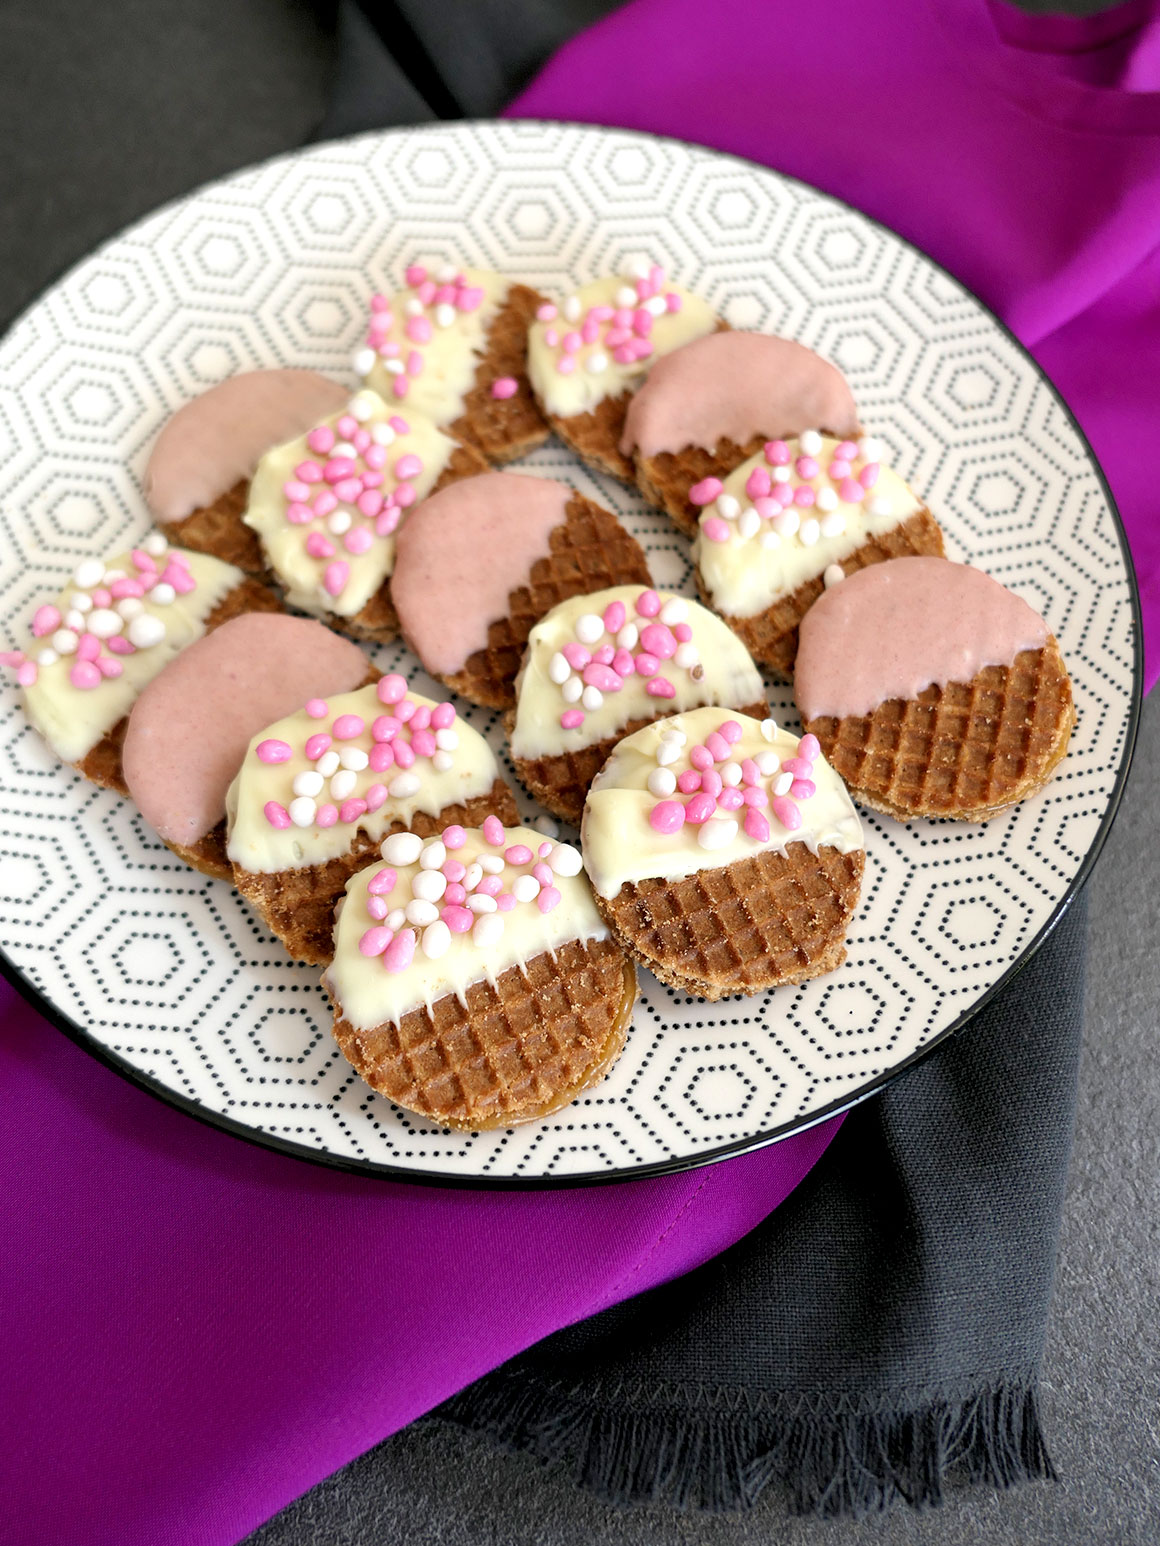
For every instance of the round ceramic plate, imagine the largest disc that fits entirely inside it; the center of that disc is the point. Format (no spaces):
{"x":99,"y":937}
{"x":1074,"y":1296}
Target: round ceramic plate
{"x":170,"y":978}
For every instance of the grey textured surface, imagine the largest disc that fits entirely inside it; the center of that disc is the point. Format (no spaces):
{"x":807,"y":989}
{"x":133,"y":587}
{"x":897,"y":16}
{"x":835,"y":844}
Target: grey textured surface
{"x":146,"y":99}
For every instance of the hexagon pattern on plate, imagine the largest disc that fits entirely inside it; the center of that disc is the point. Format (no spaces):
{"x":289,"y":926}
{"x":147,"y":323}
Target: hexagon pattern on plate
{"x":276,"y":266}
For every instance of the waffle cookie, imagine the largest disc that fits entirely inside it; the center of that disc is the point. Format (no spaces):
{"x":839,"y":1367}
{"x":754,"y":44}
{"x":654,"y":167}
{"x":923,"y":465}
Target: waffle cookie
{"x":479,"y":563}
{"x":473,"y":981}
{"x":588,"y":355}
{"x":190,"y":728}
{"x":319,"y":790}
{"x":452,"y":345}
{"x":933,"y":690}
{"x":327,"y":505}
{"x":600,"y":667}
{"x":724,"y":854}
{"x":711,"y":405}
{"x":113,"y":628}
{"x":793,"y":519}
{"x":197,"y":479}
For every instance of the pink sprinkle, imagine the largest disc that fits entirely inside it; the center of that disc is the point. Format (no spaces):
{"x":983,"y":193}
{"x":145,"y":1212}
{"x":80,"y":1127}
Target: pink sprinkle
{"x":308,"y":472}
{"x":455,"y":895}
{"x":409,"y":466}
{"x":757,"y":484}
{"x":493,"y":832}
{"x":590,"y":330}
{"x":810,"y":748}
{"x":445,"y":295}
{"x":89,"y":647}
{"x":388,"y":521}
{"x":646,"y":664}
{"x":505,"y":901}
{"x":358,"y":540}
{"x":338,"y":468}
{"x":107,"y":666}
{"x":750,"y":772}
{"x":604,"y":655}
{"x":689,"y":781}
{"x":656,"y":277}
{"x":391,"y":688}
{"x":120,"y":590}
{"x":847,"y":450}
{"x":622,"y":663}
{"x":274,"y":751}
{"x":143,"y":562}
{"x":548,"y":898}
{"x":701,"y":757}
{"x":458,"y":919}
{"x":470,"y":298}
{"x":731,"y":730}
{"x":400,"y":952}
{"x":382,"y":882}
{"x":375,"y":941}
{"x":414,"y":363}
{"x":319,"y":546}
{"x":351,"y":810}
{"x":730,"y":799}
{"x":803,"y":789}
{"x":571,"y":719}
{"x":576,"y":655}
{"x":839,"y":468}
{"x":716,"y":529}
{"x":418,"y":330}
{"x":767,"y":508}
{"x":335,"y":577}
{"x":572,"y":342}
{"x":12,"y":658}
{"x":317,"y":708}
{"x":614,"y":615}
{"x":757,"y":797}
{"x":642,"y":322}
{"x":603,"y":677}
{"x":682,"y":633}
{"x":347,"y":726}
{"x":454,"y":869}
{"x":717,"y":746}
{"x":406,"y":711}
{"x":660,"y":687}
{"x":546,"y":312}
{"x":490,"y":885}
{"x":518,"y":853}
{"x":454,"y":837}
{"x":617,"y":337}
{"x":399,"y":425}
{"x":443,"y":716}
{"x":798,"y":766}
{"x":28,"y":671}
{"x":804,"y":495}
{"x":376,"y":796}
{"x":756,"y":825}
{"x":400,"y":386}
{"x":385,"y":728}
{"x":423,"y":743}
{"x":648,"y":604}
{"x":377,"y":907}
{"x":348,"y":489}
{"x":504,"y":387}
{"x":851,"y":492}
{"x":370,"y":503}
{"x":712,"y":782}
{"x":658,"y":640}
{"x":543,"y":873}
{"x":786,"y":812}
{"x":414,"y":275}
{"x":120,"y":645}
{"x":784,"y":495}
{"x":277,"y":815}
{"x":868,"y":477}
{"x":806,"y":467}
{"x":323,"y":503}
{"x":776,"y":453}
{"x":405,"y":496}
{"x":293,"y":489}
{"x":326,"y":815}
{"x":46,"y":620}
{"x":566,"y":364}
{"x":347,"y":426}
{"x":673,"y":301}
{"x":375,"y":458}
{"x":404,"y":753}
{"x":700,"y":808}
{"x":381,"y":757}
{"x":299,"y":514}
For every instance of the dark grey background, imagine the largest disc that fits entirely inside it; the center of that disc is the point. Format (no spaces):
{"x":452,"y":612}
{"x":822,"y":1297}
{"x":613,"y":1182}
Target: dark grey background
{"x":109,"y":109}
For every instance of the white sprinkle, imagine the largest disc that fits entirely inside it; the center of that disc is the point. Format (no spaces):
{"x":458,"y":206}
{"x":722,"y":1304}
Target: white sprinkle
{"x":480,"y":902}
{"x":571,"y":308}
{"x":780,"y":474}
{"x":434,"y":855}
{"x":589,"y":627}
{"x":442,"y":761}
{"x":445,"y":273}
{"x":525,"y":888}
{"x":671,"y":733}
{"x":625,"y":296}
{"x":833,"y":575}
{"x":629,"y":637}
{"x":592,"y":698}
{"x":770,"y":539}
{"x":395,"y":919}
{"x":784,"y":784}
{"x":308,"y":784}
{"x":809,"y":532}
{"x":361,"y":407}
{"x":572,"y":689}
{"x":667,"y":752}
{"x":810,"y":442}
{"x":473,"y":876}
{"x":75,"y":620}
{"x":834,"y":524}
{"x":382,"y":434}
{"x":716,"y":833}
{"x":787,"y":523}
{"x":767,"y":763}
{"x":558,"y":669}
{"x":404,"y":786}
{"x":421,"y":913}
{"x":444,"y":314}
{"x":414,"y":307}
{"x":879,"y":505}
{"x":749,"y":524}
{"x":769,"y":729}
{"x":728,"y":507}
{"x":638,"y":267}
{"x":547,"y":826}
{"x":163,"y":594}
{"x":661,"y":782}
{"x":429,"y":885}
{"x":342,"y":784}
{"x":731,"y":773}
{"x":565,"y":860}
{"x":155,"y":544}
{"x":687,"y":656}
{"x":47,"y":658}
{"x":80,"y":601}
{"x":344,"y":448}
{"x":487,"y":931}
{"x":870,"y":449}
{"x":88,"y":573}
{"x":339,"y":523}
{"x":327,"y":763}
{"x":64,"y":641}
{"x":394,"y":367}
{"x":447,"y":740}
{"x":675,"y":610}
{"x":491,"y":864}
{"x":656,"y":306}
{"x":114,"y":574}
{"x":145,"y":631}
{"x":302,"y":811}
{"x":130,"y":607}
{"x":827,"y":499}
{"x":363,"y":362}
{"x":435,"y":940}
{"x":596,"y":363}
{"x":354,"y":758}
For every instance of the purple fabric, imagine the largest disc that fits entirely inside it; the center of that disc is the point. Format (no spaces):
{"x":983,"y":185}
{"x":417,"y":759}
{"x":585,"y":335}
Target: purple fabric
{"x":194,"y":1331}
{"x":1021,"y":152}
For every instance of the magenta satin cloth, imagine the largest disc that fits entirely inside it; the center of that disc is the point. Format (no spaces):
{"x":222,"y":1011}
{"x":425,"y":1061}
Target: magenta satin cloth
{"x":194,"y":1331}
{"x":1021,"y":152}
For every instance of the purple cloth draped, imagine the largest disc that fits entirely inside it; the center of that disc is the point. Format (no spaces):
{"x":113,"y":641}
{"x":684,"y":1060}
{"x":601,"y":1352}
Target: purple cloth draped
{"x":1021,"y":152}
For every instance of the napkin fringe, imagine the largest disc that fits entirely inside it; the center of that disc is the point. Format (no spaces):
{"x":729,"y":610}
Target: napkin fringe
{"x":828,"y":1461}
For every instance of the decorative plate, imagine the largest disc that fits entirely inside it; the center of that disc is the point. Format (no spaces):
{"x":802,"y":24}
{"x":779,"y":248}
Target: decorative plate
{"x":169,"y":978}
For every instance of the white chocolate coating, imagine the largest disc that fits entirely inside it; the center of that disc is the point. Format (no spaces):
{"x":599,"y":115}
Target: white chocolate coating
{"x":285,"y":543}
{"x":746,"y":574}
{"x":449,"y":358}
{"x":620,"y":845}
{"x":368,"y":994}
{"x":727,"y":676}
{"x":257,"y":846}
{"x":581,"y":390}
{"x":73,"y":720}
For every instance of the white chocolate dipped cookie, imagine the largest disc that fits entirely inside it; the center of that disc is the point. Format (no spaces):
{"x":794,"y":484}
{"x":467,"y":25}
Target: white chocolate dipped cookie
{"x":589,"y":353}
{"x":320,"y":789}
{"x":113,"y":628}
{"x":452,"y":345}
{"x":598,"y":667}
{"x":327,"y":504}
{"x":725,"y":854}
{"x":795,"y":518}
{"x":473,"y":979}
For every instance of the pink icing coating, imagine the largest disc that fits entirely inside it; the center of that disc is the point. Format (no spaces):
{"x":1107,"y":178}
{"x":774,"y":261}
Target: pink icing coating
{"x":218,"y":439}
{"x":461,"y":554}
{"x":892,"y":629}
{"x":736,"y":385}
{"x":190,"y":727}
